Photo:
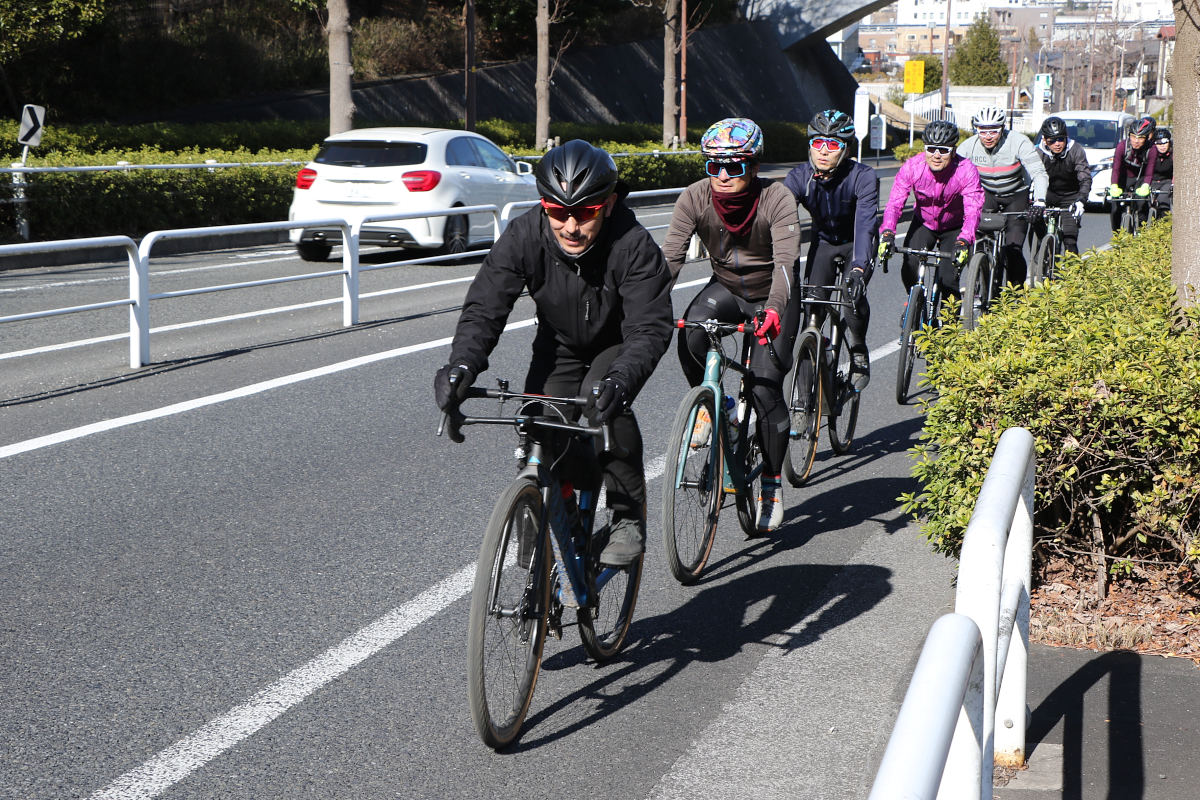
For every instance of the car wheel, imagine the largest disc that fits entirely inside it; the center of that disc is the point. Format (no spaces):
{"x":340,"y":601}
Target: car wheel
{"x":313,"y":251}
{"x":454,"y":238}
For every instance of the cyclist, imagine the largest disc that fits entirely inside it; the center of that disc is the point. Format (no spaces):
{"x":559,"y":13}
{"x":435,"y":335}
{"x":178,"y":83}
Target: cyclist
{"x":603,"y":296}
{"x":750,"y":228}
{"x":949,"y":200}
{"x":1163,"y":182}
{"x":842,"y":198}
{"x":1009,"y":166}
{"x":1133,"y":169}
{"x":1070,"y":180}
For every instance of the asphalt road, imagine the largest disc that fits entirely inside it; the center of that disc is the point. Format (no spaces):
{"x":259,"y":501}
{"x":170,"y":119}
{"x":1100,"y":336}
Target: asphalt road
{"x":242,"y":571}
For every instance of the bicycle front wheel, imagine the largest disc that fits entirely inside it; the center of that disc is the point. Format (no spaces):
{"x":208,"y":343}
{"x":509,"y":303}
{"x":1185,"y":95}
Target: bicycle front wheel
{"x":604,"y":623}
{"x":692,"y":486}
{"x":1042,"y":267}
{"x":507,"y":626}
{"x":843,"y":403}
{"x":913,"y":315}
{"x":804,"y":409}
{"x":975,"y":289}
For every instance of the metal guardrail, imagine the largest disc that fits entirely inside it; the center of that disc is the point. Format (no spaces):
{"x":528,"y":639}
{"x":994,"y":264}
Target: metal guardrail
{"x":139,"y":256}
{"x":957,"y":685}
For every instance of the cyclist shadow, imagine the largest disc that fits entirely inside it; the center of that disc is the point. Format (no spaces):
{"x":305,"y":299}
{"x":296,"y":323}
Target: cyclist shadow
{"x":875,"y":444}
{"x":784,"y":607}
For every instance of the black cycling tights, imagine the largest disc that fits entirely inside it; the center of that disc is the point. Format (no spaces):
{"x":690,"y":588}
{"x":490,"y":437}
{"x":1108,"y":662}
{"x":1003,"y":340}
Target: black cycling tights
{"x":717,"y":302}
{"x":563,"y":373}
{"x":821,"y":271}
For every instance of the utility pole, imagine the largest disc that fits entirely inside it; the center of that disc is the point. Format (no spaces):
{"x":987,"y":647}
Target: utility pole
{"x":946,"y":62}
{"x":683,"y":34}
{"x":469,"y":111}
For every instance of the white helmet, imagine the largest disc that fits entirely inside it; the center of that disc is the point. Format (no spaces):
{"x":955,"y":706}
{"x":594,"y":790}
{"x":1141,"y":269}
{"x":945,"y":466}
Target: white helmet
{"x":988,"y":117}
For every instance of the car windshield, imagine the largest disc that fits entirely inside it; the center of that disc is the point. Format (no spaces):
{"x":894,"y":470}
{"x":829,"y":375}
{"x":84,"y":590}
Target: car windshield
{"x":1101,"y":134}
{"x":372,"y":154}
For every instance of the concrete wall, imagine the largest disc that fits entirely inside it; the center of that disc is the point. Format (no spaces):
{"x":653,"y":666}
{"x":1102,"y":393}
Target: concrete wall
{"x":732,"y":70}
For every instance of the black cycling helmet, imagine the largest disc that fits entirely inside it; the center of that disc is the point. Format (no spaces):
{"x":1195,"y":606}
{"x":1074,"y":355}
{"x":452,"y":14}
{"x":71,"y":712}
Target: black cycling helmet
{"x":940,"y":132}
{"x":576,"y":174}
{"x":1143,"y":127}
{"x":1162,"y":135}
{"x":834,"y":123}
{"x":1054,"y":128}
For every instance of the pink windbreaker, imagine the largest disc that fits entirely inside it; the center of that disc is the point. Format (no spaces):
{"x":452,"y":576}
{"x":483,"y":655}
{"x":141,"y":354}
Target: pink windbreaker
{"x":945,"y":200}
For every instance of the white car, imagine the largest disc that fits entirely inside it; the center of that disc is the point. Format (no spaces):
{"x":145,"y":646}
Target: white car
{"x":1098,"y":133}
{"x":373,"y":171}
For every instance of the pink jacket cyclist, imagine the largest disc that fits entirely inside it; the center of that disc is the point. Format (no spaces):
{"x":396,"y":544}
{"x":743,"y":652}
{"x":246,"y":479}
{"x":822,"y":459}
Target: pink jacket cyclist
{"x":952,"y":198}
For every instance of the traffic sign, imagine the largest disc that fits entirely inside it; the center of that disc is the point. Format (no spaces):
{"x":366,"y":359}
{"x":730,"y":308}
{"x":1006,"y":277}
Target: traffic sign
{"x":32,"y":119}
{"x":877,"y":132}
{"x":914,"y":77}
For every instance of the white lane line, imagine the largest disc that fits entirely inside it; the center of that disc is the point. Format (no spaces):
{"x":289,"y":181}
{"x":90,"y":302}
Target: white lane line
{"x":230,"y":318}
{"x":232,"y":394}
{"x":195,"y":750}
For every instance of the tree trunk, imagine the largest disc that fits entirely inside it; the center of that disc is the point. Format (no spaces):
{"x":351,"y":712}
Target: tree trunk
{"x":341,"y":101}
{"x":541,"y":84}
{"x":671,"y":29}
{"x":1184,"y":77}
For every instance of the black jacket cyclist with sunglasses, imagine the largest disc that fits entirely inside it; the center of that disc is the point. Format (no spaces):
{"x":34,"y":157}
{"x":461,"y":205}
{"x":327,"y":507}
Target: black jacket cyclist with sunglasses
{"x":841,"y":196}
{"x":603,"y":296}
{"x":1070,"y":178}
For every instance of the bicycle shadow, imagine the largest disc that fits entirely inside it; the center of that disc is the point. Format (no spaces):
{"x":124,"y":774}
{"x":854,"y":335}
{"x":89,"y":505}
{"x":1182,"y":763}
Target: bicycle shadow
{"x":877,"y":443}
{"x":1123,"y":724}
{"x":785,"y":607}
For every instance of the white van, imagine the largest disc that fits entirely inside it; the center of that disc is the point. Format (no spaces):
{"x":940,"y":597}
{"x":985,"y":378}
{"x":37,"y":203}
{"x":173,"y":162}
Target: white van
{"x":1097,"y":133}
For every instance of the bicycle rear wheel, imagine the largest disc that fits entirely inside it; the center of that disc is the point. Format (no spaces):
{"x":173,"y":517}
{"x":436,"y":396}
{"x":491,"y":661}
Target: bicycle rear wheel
{"x":975,"y":288}
{"x":507,"y":626}
{"x":842,"y":401}
{"x":604,"y":623}
{"x":804,"y":408}
{"x":749,"y":450}
{"x":913,"y":315}
{"x":692,"y":488}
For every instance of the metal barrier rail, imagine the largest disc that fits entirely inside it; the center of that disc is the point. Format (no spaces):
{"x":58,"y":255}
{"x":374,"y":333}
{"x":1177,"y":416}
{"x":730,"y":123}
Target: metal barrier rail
{"x":956,"y":678}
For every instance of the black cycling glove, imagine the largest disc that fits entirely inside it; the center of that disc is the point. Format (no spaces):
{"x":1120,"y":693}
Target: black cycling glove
{"x":608,"y":399}
{"x":449,"y":393}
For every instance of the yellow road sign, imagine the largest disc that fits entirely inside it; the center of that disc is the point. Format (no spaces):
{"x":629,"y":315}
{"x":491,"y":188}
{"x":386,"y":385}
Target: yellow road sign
{"x":914,"y":77}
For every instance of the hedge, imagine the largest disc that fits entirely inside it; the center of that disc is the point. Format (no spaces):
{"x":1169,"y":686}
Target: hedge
{"x":1104,"y":369}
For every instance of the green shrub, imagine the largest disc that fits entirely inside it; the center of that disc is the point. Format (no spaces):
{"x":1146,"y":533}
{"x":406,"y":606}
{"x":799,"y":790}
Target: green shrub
{"x":1104,"y":370}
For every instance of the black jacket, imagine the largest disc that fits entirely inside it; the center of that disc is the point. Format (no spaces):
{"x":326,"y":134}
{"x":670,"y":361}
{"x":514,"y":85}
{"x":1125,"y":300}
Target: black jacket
{"x":843,"y":208}
{"x":618,"y":292}
{"x":1070,"y":174}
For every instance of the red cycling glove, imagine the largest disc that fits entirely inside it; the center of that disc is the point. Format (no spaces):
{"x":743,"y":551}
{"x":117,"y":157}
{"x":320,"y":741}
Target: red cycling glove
{"x":769,"y":328}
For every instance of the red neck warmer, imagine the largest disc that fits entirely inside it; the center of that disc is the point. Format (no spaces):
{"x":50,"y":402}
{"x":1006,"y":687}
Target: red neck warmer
{"x":736,"y":209}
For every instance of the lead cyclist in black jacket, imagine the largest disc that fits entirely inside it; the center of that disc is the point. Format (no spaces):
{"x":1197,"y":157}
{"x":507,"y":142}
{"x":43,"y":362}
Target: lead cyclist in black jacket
{"x":603,"y":296}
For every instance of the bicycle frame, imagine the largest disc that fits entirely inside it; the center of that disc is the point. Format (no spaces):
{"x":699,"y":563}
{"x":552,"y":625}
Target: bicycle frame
{"x":715,"y":364}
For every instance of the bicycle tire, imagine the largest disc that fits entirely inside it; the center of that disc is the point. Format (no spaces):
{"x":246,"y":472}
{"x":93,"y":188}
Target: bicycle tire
{"x":604,"y":623}
{"x":506,"y":631}
{"x":913,"y":318}
{"x":1041,"y":267}
{"x":973,"y":290}
{"x":804,"y":410}
{"x":842,"y":401}
{"x":750,"y":455}
{"x":692,"y":489}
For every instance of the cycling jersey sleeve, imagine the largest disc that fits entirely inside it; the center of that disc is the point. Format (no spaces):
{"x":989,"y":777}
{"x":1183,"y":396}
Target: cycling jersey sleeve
{"x":897,"y":197}
{"x":1118,"y":167}
{"x":973,"y":197}
{"x":780,"y":206}
{"x":866,"y":214}
{"x":1151,"y":161}
{"x":679,"y":232}
{"x":1038,"y":177}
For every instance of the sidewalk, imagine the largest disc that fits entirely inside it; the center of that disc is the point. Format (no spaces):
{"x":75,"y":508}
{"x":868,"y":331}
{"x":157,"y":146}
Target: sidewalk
{"x":1112,"y":725}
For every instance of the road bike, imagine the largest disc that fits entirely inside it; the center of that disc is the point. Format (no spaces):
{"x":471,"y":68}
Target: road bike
{"x":983,"y":277}
{"x":540,"y":555}
{"x":704,"y":465}
{"x":1136,"y":209}
{"x":820,"y":382}
{"x":1157,"y":207}
{"x":923,"y":308}
{"x":1048,"y":248}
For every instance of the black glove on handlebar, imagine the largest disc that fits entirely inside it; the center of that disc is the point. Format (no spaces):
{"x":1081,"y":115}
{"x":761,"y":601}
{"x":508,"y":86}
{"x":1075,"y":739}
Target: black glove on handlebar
{"x":608,"y":399}
{"x":856,"y":286}
{"x":450,"y":385}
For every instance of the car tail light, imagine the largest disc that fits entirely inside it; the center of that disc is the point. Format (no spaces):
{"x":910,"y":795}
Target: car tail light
{"x":421,"y":180}
{"x":305,"y":178}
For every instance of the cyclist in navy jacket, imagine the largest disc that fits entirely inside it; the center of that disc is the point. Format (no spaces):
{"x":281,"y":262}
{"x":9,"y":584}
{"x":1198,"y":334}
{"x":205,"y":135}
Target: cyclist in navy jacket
{"x":842,"y":197}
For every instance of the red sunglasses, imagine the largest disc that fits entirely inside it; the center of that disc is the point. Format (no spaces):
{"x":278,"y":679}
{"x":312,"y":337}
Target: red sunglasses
{"x":581,"y":214}
{"x":823,"y":143}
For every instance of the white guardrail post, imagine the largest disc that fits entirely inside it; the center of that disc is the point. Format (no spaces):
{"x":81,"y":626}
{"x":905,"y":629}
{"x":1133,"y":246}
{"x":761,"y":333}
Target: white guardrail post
{"x":999,"y":538}
{"x":954,"y":685}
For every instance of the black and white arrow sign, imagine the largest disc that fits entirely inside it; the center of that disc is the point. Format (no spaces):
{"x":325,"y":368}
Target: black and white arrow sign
{"x":30,"y":133}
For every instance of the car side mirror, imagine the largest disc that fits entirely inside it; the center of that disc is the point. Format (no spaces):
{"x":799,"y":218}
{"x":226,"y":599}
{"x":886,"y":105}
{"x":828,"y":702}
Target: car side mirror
{"x":524,"y":168}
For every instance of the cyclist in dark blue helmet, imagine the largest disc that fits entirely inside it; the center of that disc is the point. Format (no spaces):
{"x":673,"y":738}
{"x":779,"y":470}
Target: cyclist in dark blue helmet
{"x":842,"y":197}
